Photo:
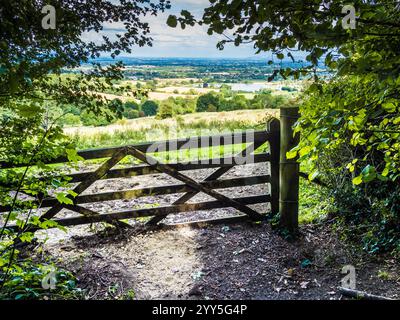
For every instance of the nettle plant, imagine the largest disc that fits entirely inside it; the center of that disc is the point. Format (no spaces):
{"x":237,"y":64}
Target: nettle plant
{"x":32,"y":80}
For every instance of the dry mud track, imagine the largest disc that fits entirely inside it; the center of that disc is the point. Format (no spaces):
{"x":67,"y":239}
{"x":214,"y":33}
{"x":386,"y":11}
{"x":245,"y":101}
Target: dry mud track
{"x":239,"y":261}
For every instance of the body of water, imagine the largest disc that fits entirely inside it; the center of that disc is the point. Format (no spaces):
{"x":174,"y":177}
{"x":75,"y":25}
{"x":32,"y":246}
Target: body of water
{"x":248,"y":87}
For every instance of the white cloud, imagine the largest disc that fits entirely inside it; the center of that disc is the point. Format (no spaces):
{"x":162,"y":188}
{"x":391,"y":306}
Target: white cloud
{"x":191,"y":41}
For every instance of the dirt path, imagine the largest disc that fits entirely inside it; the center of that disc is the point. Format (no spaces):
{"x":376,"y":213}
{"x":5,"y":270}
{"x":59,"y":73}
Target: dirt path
{"x":241,"y":261}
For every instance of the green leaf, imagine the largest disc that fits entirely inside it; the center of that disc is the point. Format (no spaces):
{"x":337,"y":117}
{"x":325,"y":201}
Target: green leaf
{"x":358,"y":180}
{"x":368,"y":173}
{"x":73,"y":156}
{"x":172,"y":21}
{"x":291,"y":154}
{"x":389,"y":107}
{"x":62,"y":198}
{"x":305,"y":150}
{"x":382,"y":178}
{"x":26,"y":237}
{"x":72,"y":193}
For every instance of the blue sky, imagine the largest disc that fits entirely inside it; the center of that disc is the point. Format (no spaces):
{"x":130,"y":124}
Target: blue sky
{"x":175,"y":42}
{"x":193,"y":42}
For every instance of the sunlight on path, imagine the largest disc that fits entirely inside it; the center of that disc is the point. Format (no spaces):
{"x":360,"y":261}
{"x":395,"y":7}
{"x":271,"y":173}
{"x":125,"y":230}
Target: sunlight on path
{"x":166,"y":264}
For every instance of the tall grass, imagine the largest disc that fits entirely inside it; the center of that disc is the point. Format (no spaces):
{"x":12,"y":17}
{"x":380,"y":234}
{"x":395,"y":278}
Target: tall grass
{"x":150,"y":129}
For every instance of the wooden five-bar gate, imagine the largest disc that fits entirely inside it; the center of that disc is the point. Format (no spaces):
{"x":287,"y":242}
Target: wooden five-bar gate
{"x":282,"y":177}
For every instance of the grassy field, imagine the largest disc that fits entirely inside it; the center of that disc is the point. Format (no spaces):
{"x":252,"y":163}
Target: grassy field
{"x":183,"y":88}
{"x":151,"y":129}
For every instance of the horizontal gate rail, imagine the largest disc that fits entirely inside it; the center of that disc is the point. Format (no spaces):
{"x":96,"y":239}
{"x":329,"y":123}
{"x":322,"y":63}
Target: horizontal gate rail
{"x":144,"y":169}
{"x":170,"y":145}
{"x":156,"y":191}
{"x":148,"y":212}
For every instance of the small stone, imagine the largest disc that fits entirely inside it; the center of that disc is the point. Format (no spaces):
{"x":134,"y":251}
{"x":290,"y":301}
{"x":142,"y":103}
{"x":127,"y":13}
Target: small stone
{"x":67,"y":248}
{"x":195,"y":291}
{"x":225,"y":229}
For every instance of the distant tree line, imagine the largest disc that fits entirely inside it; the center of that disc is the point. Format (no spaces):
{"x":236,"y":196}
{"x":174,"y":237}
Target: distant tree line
{"x":225,"y":100}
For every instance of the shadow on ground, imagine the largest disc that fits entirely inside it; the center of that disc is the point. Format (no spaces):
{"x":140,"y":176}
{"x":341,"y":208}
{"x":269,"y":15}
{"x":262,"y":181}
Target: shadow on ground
{"x":241,"y":261}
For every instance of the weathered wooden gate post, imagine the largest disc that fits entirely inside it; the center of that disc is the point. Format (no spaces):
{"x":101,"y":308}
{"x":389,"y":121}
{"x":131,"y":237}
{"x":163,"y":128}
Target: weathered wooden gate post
{"x":288,"y":172}
{"x":273,"y":128}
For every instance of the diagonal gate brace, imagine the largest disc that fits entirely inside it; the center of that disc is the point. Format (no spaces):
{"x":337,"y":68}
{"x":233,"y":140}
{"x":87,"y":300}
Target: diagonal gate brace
{"x":90,"y":179}
{"x":214,"y":176}
{"x":164,"y":168}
